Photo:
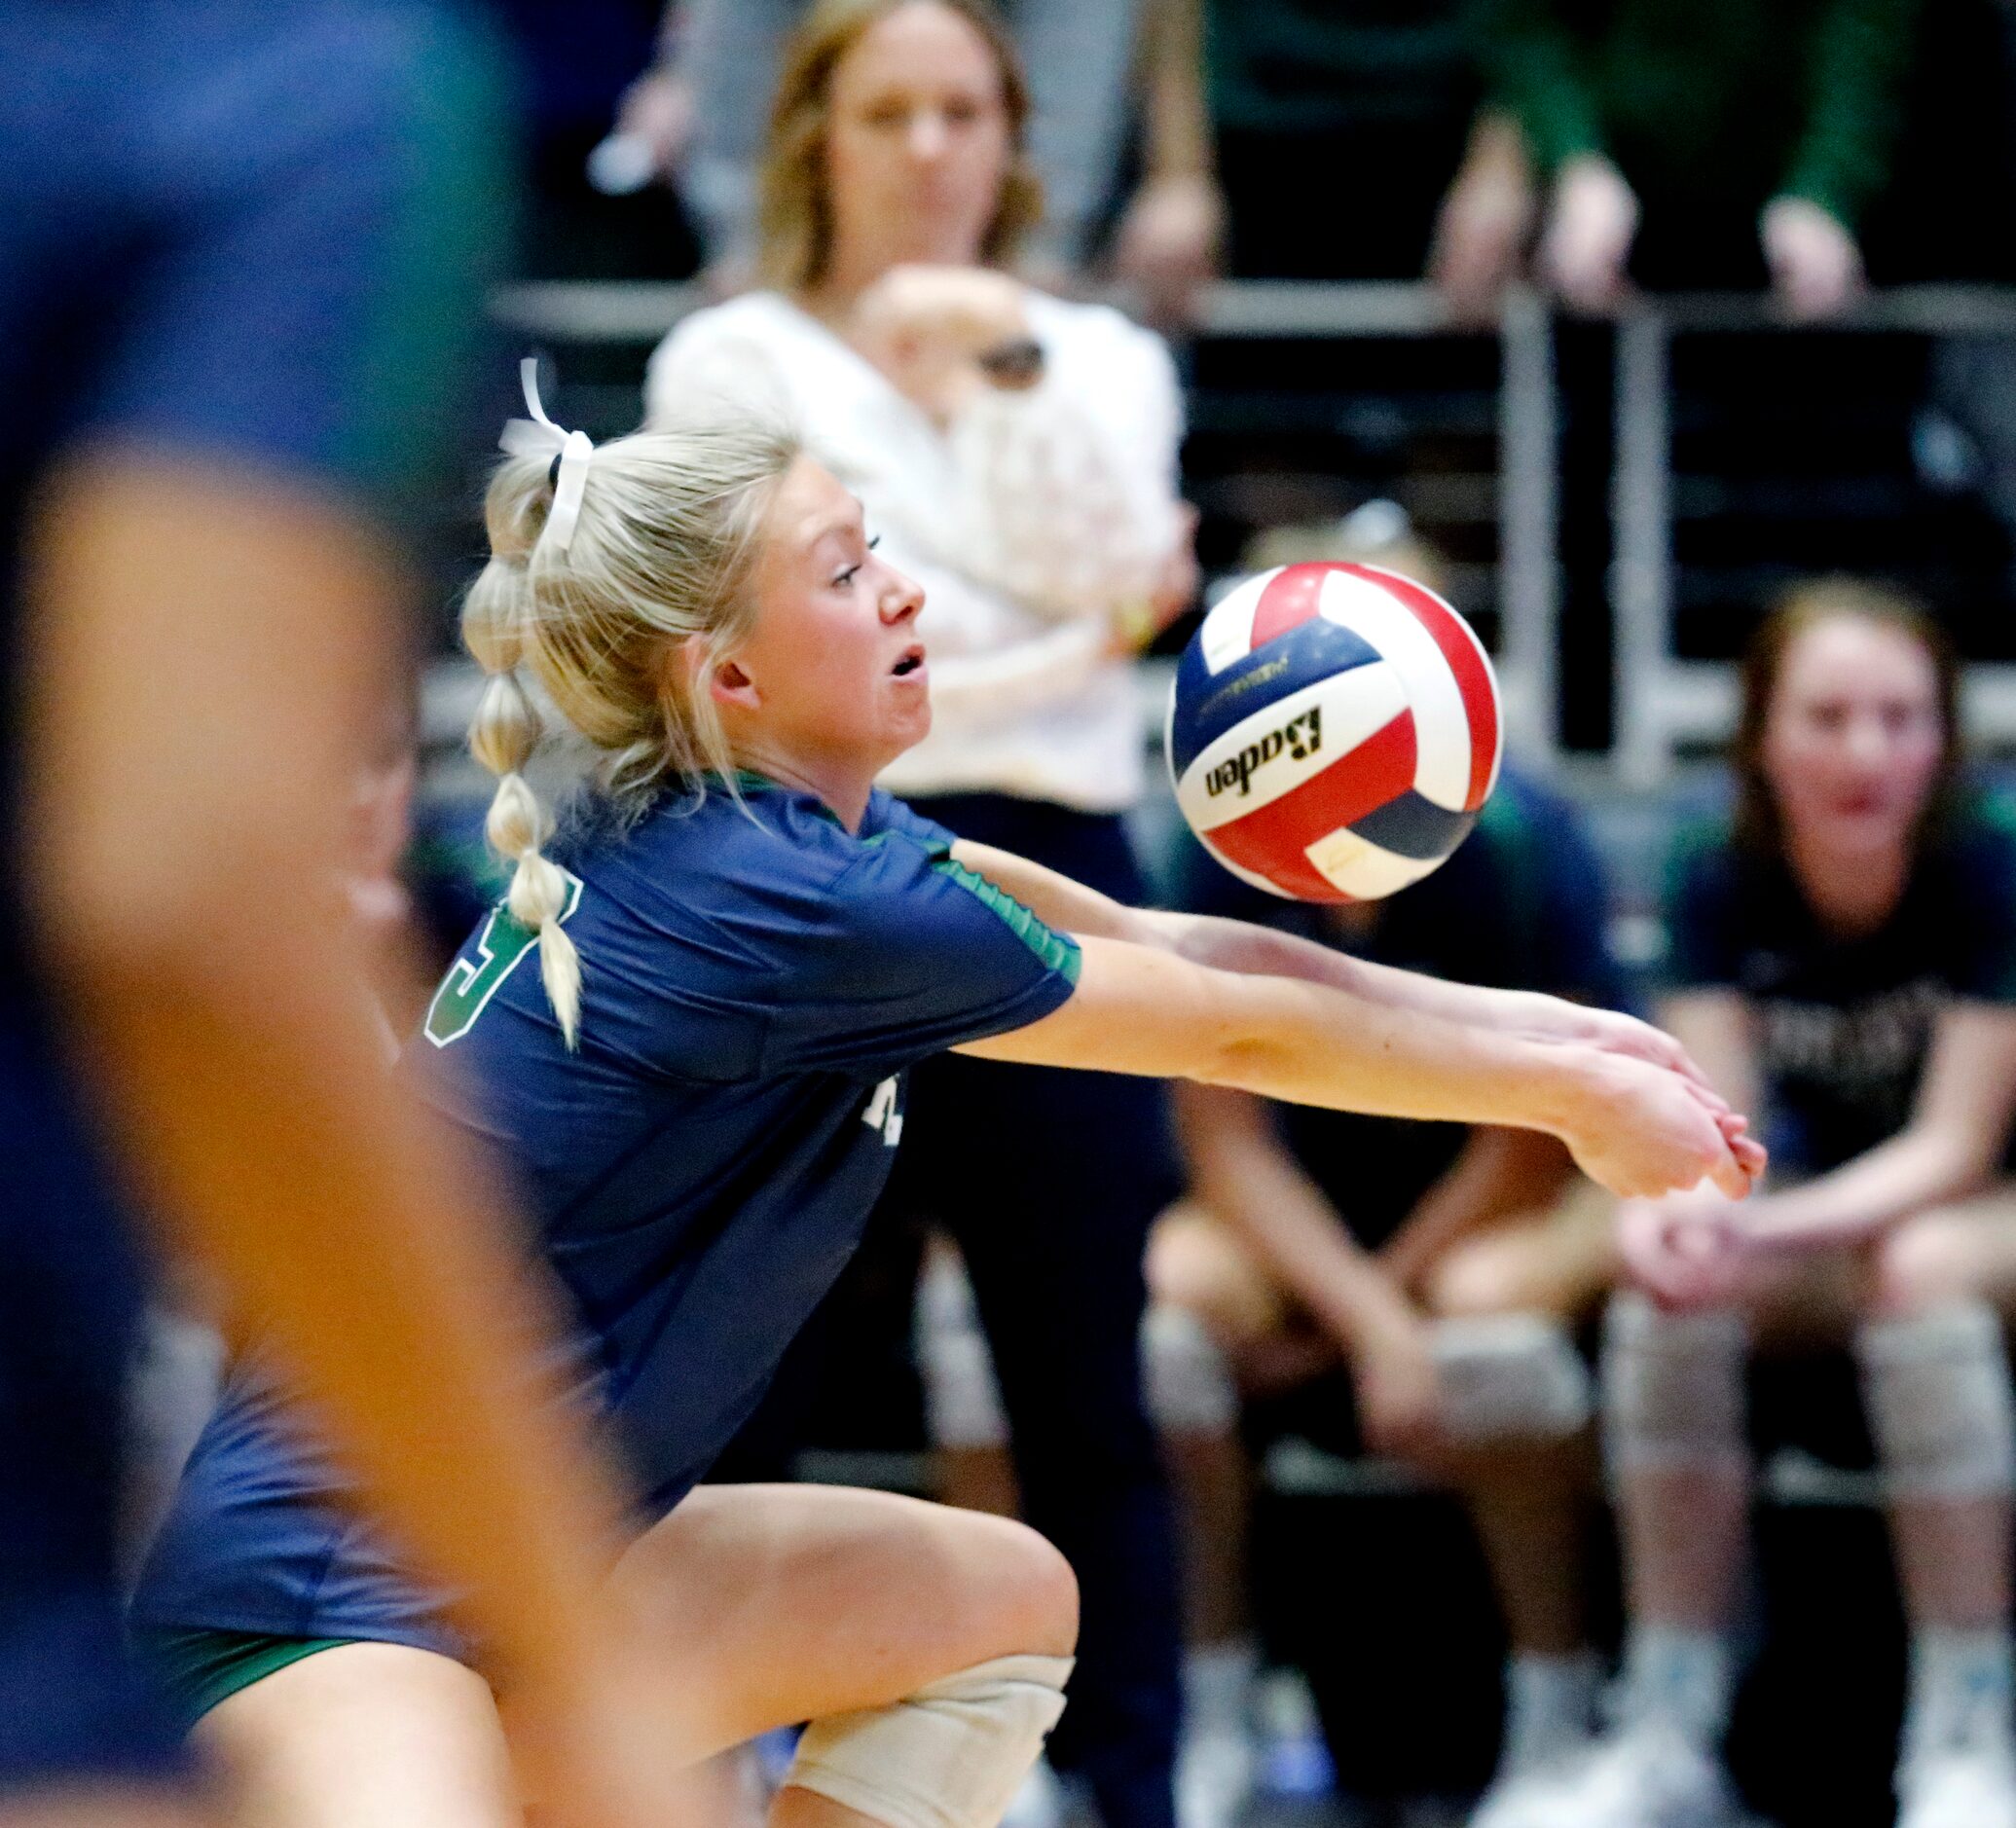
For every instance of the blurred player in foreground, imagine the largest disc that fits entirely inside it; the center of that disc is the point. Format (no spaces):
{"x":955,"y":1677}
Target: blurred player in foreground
{"x":1844,"y":950}
{"x":702,"y":1087}
{"x":232,"y":275}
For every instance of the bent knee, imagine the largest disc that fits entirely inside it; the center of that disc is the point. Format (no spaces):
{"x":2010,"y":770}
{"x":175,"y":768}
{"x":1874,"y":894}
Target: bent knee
{"x":1029,"y":1590}
{"x":1559,"y":1265}
{"x":1195,"y":1264}
{"x":1926,"y":1262}
{"x":1479,"y":1279}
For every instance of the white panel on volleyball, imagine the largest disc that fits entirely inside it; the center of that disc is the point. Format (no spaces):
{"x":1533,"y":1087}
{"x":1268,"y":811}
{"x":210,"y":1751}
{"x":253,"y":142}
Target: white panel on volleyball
{"x":1442,"y":725}
{"x":1226,"y":633}
{"x":1365,"y":871}
{"x":1355,"y":703}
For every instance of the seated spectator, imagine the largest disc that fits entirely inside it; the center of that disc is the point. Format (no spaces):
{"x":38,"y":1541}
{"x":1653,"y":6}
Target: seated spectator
{"x":1700,"y":143}
{"x":1843,"y":954}
{"x":1448,"y":1269}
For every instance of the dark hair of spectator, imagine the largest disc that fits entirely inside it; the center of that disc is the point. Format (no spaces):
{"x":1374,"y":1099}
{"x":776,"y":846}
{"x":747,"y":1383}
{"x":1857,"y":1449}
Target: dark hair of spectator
{"x":796,"y":217}
{"x":1806,"y":606}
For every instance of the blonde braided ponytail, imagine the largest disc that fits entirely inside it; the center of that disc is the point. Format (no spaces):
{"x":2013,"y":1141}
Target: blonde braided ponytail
{"x":660,"y":537}
{"x":503,"y":735}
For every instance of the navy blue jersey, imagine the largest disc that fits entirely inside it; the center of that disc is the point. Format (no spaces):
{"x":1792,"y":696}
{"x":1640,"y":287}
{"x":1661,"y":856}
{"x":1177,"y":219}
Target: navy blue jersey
{"x":1843,"y":1026}
{"x":755,"y":982}
{"x":216,"y":244}
{"x":1520,"y":906}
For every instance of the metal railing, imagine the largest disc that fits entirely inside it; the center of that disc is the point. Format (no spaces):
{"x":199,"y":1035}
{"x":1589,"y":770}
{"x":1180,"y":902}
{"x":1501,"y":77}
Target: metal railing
{"x":571,"y":312}
{"x":1662,"y":702}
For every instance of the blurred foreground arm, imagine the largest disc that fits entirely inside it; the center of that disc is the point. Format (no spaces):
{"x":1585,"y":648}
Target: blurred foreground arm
{"x":209,"y":644}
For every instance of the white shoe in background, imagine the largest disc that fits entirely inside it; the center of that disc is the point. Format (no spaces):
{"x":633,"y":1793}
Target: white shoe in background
{"x":1646,"y":1774}
{"x":1217,"y":1759}
{"x":1292,"y":1758}
{"x":1550,"y":1732}
{"x":1958,"y":1786}
{"x":1529,"y":1795}
{"x":1215,"y":1770}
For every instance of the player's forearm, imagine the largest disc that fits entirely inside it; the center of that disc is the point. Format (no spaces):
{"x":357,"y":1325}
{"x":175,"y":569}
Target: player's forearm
{"x":1229,"y":945}
{"x":1319,"y":1043}
{"x":1916,"y":1169}
{"x":1141,"y":1010}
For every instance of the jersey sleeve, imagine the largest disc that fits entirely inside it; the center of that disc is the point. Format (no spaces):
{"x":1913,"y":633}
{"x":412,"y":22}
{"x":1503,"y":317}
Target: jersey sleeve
{"x":907,"y":955}
{"x":1700,"y":909}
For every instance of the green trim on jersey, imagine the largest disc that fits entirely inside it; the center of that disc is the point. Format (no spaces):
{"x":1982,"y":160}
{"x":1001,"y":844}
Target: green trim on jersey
{"x":465,"y":992}
{"x":197,"y":1668}
{"x":1053,"y":949}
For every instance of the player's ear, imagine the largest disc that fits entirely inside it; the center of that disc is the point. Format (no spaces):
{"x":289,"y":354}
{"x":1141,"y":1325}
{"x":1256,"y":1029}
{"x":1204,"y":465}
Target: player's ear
{"x":728,"y":684}
{"x":724,"y":681}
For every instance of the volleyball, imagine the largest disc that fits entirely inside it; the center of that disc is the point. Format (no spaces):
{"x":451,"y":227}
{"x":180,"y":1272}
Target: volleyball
{"x":1332,"y":731}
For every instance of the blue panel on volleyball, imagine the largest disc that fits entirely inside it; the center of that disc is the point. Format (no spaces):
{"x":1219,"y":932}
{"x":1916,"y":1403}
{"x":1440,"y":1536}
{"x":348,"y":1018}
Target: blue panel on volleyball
{"x":1414,"y":827}
{"x":1208,"y":705}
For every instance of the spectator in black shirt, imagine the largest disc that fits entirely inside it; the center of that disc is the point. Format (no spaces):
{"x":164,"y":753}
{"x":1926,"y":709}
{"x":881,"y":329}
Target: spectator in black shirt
{"x":1845,"y":953}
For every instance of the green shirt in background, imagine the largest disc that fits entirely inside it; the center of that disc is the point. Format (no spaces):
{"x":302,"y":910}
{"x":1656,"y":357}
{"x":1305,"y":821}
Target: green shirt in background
{"x":1318,"y":66}
{"x":1725,"y":103}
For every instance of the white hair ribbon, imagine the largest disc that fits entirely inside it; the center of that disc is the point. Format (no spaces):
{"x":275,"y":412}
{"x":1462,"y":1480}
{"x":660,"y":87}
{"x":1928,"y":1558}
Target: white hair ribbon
{"x":539,"y":436}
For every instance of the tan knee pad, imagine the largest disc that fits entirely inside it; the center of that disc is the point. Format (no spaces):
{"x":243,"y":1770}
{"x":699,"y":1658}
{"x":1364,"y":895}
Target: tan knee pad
{"x":950,"y":1756}
{"x":1936,"y":1388}
{"x":1184,"y":1377}
{"x":1673,"y":1388}
{"x":1510,"y":1376}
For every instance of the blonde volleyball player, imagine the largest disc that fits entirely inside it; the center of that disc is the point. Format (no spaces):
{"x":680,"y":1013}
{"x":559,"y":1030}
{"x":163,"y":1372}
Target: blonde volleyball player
{"x":700,"y":1085}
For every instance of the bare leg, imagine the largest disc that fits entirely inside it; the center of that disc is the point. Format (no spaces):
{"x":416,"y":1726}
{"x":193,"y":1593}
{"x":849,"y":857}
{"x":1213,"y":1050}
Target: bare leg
{"x":805,"y":1808}
{"x":786,"y":1603}
{"x":1197,"y":1266}
{"x":795,"y":1601}
{"x":1953,"y":1548}
{"x":1213,"y":1482}
{"x":968,"y":1432}
{"x":1937,"y":1387}
{"x":367,"y":1736}
{"x":978,"y":1478}
{"x":1529,"y":1499}
{"x":1528,"y":1505}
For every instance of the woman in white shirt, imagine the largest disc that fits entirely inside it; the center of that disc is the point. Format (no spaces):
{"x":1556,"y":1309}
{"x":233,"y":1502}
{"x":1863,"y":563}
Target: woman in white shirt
{"x":1016,"y":453}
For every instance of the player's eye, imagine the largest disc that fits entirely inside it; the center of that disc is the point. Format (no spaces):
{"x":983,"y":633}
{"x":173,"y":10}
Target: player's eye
{"x":848,"y":574}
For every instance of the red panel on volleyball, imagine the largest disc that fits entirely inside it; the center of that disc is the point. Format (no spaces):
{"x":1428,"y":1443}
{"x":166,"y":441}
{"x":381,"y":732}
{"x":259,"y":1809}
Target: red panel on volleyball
{"x":1272,"y":841}
{"x":1293,"y":597}
{"x":1480,"y":700}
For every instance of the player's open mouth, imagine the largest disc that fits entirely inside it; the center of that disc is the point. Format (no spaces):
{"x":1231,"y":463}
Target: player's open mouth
{"x":912,"y":658}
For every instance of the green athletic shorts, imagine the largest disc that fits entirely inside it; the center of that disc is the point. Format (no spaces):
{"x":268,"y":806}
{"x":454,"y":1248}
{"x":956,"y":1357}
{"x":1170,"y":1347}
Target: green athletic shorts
{"x":195,"y":1669}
